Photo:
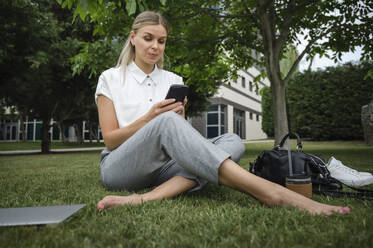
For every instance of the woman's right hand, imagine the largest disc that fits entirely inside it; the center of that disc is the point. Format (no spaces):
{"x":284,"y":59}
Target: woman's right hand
{"x":163,"y":106}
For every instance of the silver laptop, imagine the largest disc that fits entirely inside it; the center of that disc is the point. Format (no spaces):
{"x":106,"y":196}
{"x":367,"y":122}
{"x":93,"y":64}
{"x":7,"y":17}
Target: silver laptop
{"x":37,"y":215}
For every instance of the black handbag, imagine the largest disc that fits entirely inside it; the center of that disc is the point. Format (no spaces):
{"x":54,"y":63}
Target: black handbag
{"x":276,"y":164}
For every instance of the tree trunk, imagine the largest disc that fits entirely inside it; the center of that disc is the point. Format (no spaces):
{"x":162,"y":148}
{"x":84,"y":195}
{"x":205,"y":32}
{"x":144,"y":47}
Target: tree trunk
{"x":60,"y":127}
{"x":78,"y":132}
{"x":22,"y":127}
{"x":45,"y":139}
{"x":90,"y":132}
{"x":279,"y":110}
{"x":272,"y":52}
{"x":280,"y":119}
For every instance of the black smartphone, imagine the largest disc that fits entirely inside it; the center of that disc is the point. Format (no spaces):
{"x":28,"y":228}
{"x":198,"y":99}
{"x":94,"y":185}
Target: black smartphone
{"x":178,"y":92}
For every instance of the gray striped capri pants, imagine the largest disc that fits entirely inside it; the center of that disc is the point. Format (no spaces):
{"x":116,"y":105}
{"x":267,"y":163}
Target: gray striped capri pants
{"x":165,"y":147}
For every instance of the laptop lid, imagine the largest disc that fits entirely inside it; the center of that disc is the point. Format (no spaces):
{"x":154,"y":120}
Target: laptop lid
{"x":37,"y":215}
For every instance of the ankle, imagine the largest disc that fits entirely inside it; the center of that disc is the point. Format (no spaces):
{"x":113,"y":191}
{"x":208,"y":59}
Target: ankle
{"x":147,"y":197}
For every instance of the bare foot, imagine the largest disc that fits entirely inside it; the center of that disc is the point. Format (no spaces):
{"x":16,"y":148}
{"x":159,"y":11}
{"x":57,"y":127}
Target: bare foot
{"x":325,"y":209}
{"x":111,"y":201}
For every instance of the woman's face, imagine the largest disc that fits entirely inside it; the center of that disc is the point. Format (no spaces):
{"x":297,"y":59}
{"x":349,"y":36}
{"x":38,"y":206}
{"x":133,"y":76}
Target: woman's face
{"x":149,"y":42}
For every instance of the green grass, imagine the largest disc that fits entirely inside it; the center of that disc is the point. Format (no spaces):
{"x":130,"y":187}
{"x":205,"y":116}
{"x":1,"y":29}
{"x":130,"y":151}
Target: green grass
{"x":35,"y":145}
{"x":213,"y":217}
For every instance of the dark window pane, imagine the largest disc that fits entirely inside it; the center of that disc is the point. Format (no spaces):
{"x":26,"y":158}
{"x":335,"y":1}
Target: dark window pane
{"x":222,"y":130}
{"x":14,"y":132}
{"x":30,"y":130}
{"x":38,"y":131}
{"x":56,"y":133}
{"x":212,"y":119}
{"x":238,"y":112}
{"x":222,"y":119}
{"x":222,"y":108}
{"x":86,"y":135}
{"x":212,"y":132}
{"x":213,"y":108}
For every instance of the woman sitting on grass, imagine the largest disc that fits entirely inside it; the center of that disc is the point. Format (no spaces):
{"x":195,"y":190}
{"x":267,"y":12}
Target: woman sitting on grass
{"x":151,"y":145}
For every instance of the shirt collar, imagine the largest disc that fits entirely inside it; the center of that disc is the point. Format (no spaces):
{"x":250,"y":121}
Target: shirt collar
{"x":140,"y":76}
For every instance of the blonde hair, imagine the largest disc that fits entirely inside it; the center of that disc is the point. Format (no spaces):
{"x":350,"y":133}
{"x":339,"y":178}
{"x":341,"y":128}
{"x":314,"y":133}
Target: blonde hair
{"x":128,"y":52}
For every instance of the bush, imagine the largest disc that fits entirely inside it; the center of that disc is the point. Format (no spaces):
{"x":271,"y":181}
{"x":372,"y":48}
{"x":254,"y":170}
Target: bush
{"x":267,"y":121}
{"x":324,"y":104}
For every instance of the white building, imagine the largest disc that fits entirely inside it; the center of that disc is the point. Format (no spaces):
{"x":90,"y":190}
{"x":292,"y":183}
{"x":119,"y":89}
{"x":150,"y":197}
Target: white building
{"x":235,"y":108}
{"x":11,"y":131}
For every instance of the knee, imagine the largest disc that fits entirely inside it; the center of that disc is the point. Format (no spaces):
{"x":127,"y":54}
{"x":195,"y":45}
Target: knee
{"x":167,"y":117}
{"x":238,"y":142}
{"x":167,"y":121}
{"x":239,"y":147}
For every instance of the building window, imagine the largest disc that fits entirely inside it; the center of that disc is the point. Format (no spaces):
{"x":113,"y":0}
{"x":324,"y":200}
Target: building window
{"x":251,"y":86}
{"x":257,"y":117}
{"x":216,"y":120}
{"x":243,"y":80}
{"x":251,"y":116}
{"x":239,"y":123}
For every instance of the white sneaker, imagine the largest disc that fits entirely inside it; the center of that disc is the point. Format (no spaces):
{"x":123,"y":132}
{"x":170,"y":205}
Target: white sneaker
{"x":347,"y":175}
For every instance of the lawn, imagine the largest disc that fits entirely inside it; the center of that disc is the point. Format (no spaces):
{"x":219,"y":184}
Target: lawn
{"x":213,"y":217}
{"x":35,"y":145}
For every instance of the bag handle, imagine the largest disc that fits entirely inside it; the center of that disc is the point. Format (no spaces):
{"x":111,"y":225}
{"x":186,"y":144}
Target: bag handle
{"x":299,"y":142}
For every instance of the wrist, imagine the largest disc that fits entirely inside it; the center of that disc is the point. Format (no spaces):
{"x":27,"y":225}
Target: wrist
{"x":145,"y":118}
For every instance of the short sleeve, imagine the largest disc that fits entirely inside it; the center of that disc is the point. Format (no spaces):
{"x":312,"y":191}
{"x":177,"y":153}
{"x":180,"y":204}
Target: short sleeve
{"x":102,"y":88}
{"x":176,"y":79}
{"x":180,"y":80}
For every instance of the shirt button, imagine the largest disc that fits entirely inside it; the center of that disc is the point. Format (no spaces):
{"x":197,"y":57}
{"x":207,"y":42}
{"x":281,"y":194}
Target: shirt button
{"x":150,"y":100}
{"x":148,"y":84}
{"x":147,"y":76}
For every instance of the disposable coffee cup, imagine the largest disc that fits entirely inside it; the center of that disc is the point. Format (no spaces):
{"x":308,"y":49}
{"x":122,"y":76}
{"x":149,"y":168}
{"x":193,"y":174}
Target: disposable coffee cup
{"x":301,"y":184}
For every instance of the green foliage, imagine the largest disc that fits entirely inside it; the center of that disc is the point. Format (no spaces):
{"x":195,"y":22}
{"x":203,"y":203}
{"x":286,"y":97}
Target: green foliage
{"x":39,"y":41}
{"x":271,"y":27}
{"x":267,"y":112}
{"x":193,"y":50}
{"x":203,"y":33}
{"x":338,"y":94}
{"x":97,"y":54}
{"x":326,"y":105}
{"x":92,"y":8}
{"x":289,"y":57}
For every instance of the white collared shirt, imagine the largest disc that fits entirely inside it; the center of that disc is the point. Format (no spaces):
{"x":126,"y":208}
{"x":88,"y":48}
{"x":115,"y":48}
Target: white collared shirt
{"x":138,"y":94}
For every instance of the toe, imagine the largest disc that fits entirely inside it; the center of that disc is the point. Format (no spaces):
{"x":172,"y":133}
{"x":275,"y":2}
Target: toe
{"x":100,"y":205}
{"x":345,"y":210}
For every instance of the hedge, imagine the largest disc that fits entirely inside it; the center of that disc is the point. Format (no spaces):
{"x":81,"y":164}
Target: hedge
{"x":326,"y":104}
{"x":267,"y":112}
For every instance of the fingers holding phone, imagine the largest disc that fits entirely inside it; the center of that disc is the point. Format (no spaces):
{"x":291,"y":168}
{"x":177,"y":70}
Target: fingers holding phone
{"x":182,"y":112}
{"x":176,"y":99}
{"x":161,"y":107}
{"x":179,"y":92}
